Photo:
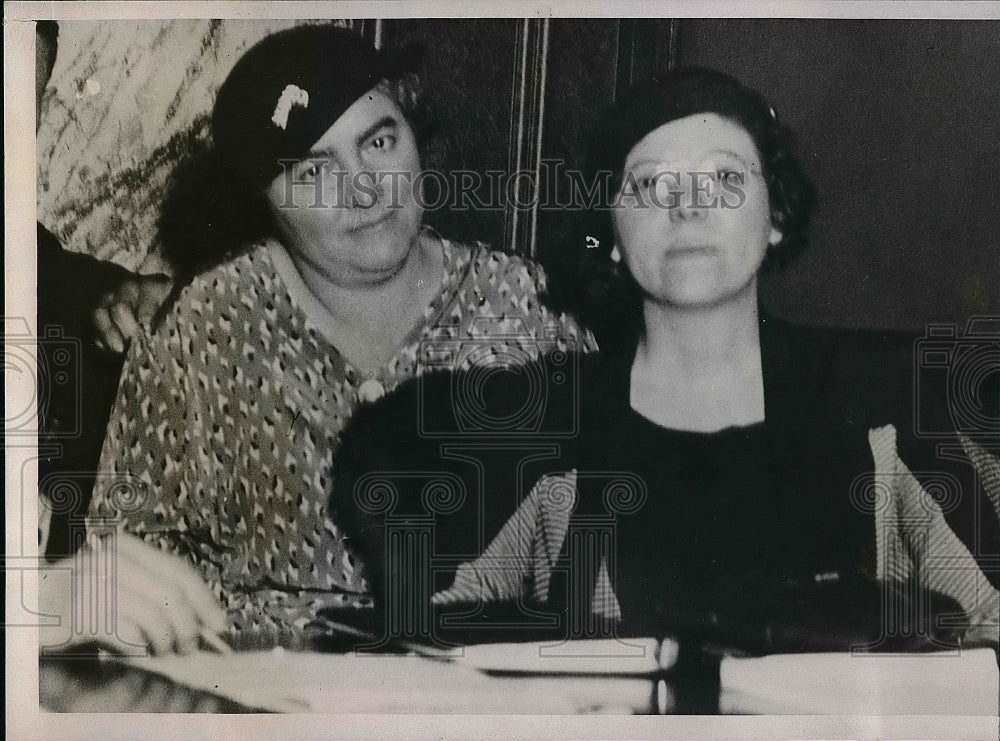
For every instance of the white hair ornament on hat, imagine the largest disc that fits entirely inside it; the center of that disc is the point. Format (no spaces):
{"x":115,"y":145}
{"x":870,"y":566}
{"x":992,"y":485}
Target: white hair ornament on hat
{"x":292,"y":95}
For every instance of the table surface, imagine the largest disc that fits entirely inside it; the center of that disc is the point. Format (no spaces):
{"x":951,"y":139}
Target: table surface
{"x":286,"y":681}
{"x":80,"y":685}
{"x":314,"y":682}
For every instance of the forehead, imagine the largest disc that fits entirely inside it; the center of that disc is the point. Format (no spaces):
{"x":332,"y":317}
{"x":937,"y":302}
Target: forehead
{"x":368,"y":110}
{"x":694,"y":136}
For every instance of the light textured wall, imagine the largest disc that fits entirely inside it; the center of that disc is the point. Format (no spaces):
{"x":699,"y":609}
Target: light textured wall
{"x":127,"y":100}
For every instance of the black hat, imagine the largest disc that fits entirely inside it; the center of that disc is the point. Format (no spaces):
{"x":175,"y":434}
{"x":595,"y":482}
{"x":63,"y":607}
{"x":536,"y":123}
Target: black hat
{"x":284,"y":94}
{"x":675,"y":94}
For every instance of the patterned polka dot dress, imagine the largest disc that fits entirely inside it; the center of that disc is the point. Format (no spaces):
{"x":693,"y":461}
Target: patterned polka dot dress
{"x":221,"y":443}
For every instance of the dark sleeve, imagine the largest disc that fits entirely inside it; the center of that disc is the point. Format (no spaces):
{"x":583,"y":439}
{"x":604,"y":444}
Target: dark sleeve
{"x":391,"y":477}
{"x":74,"y":404}
{"x":444,"y":456}
{"x":70,"y":285}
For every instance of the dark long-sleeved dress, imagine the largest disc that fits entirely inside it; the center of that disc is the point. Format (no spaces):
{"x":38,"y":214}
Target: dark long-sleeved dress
{"x":834,"y":480}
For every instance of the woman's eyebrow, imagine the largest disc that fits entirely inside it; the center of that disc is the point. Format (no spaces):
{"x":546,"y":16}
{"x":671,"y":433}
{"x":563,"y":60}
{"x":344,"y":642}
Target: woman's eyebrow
{"x":323,"y":153}
{"x":710,"y":153}
{"x":647,"y":161}
{"x":731,"y":153}
{"x":382,"y":123}
{"x":328,"y":152}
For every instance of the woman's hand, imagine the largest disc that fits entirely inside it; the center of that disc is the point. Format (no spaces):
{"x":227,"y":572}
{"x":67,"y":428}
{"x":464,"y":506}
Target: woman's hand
{"x":120,"y":312}
{"x":128,"y":597}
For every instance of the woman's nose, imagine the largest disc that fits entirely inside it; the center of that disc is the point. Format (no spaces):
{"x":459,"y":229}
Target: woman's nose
{"x":363,"y":189}
{"x":695,"y":200}
{"x":688,"y":209}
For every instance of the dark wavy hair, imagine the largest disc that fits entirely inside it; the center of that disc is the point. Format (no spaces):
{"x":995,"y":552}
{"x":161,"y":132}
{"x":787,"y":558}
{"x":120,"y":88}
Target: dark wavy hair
{"x":583,"y":279}
{"x":211,"y":214}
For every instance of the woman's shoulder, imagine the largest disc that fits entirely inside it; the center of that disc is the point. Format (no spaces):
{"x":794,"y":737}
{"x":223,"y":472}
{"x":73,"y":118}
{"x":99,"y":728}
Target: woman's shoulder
{"x":494,"y":265}
{"x":875,"y":373}
{"x":848,"y":342}
{"x":234,"y":283}
{"x":847,"y":354}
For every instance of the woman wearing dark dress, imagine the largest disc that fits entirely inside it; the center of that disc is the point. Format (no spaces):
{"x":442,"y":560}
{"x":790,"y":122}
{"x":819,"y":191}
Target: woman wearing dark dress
{"x":724,"y":446}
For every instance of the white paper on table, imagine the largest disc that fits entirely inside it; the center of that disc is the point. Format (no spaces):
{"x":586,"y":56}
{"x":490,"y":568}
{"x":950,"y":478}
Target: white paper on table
{"x":947,"y":683}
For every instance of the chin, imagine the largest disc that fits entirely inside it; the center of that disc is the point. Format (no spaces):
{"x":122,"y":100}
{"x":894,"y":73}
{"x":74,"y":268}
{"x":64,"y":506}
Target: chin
{"x":383,"y":251}
{"x":700,"y":301}
{"x":382,"y":260}
{"x":695,"y":284}
{"x":697,"y":295}
{"x":694,"y":291}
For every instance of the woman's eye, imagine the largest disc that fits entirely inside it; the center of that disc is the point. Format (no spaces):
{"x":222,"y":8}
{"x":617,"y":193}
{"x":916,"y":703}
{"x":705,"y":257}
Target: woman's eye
{"x":384,"y":142}
{"x":647,"y":181}
{"x":730,"y":176}
{"x":310,"y":172}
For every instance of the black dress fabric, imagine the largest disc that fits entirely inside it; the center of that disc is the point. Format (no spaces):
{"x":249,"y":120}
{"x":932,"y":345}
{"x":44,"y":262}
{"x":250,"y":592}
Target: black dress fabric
{"x":725,"y":511}
{"x":711,"y":510}
{"x":732,"y":510}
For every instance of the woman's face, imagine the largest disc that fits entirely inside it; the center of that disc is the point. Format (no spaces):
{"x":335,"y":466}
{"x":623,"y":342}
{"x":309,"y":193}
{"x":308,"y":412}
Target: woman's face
{"x":348,"y":208}
{"x":694,"y":219}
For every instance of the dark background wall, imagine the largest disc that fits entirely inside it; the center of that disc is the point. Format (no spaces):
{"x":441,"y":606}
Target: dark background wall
{"x":898,"y":123}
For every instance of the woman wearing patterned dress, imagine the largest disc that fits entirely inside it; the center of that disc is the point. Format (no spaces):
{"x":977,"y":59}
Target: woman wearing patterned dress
{"x":726,"y":448}
{"x":228,"y":415}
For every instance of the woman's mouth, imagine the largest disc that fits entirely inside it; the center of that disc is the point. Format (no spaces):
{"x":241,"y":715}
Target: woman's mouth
{"x":371,"y":222}
{"x":691,"y":251}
